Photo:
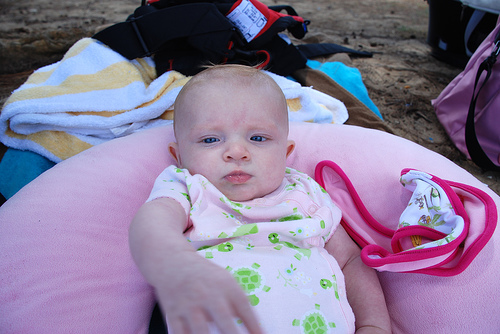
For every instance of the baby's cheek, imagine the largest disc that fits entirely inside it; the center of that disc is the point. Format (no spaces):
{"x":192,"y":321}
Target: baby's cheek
{"x":274,"y":176}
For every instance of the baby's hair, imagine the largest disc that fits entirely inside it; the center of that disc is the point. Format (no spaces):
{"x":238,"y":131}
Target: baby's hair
{"x":212,"y":72}
{"x":230,"y":72}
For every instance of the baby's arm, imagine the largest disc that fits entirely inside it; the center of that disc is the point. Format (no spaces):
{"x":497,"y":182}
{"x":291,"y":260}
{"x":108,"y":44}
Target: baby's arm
{"x":364,"y":292}
{"x":192,"y":292}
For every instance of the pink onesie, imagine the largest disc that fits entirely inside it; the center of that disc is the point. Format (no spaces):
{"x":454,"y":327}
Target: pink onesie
{"x":273,"y":246}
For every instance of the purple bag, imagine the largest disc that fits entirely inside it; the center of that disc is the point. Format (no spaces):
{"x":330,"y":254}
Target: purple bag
{"x":469,"y":107}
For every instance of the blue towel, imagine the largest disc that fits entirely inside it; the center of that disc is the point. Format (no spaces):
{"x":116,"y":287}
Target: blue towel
{"x":347,"y":77}
{"x":19,"y":168}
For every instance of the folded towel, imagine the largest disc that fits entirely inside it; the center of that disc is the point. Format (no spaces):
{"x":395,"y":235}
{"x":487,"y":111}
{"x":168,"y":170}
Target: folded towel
{"x":94,"y":95}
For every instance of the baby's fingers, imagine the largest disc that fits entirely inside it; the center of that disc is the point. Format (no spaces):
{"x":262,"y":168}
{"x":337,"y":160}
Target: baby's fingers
{"x":195,"y":323}
{"x":175,"y":325}
{"x":236,"y":315}
{"x":247,"y":315}
{"x":226,"y":324}
{"x":198,"y":323}
{"x":226,"y":319}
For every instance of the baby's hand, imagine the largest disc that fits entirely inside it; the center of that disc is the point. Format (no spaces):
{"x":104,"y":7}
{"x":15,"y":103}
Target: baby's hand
{"x":197,"y":293}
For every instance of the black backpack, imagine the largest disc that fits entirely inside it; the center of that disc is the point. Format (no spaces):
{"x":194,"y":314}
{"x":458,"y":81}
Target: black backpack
{"x":185,"y":35}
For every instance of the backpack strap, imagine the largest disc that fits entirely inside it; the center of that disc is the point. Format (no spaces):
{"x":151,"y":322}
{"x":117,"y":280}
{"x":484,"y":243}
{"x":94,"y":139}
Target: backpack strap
{"x":475,"y":150}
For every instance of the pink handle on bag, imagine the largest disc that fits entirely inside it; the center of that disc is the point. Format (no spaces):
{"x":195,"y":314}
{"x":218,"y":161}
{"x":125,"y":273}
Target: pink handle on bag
{"x":448,"y":259}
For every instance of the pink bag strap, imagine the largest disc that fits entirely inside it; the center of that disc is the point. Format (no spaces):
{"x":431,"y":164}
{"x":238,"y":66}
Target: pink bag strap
{"x":475,"y":150}
{"x":432,"y":230}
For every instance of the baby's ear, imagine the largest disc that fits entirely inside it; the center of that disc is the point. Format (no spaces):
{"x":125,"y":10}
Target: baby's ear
{"x":173,"y":149}
{"x":290,"y":147}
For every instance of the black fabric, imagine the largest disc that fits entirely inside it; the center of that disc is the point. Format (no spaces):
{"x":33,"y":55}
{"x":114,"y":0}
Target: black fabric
{"x":150,"y":30}
{"x":2,"y":199}
{"x":186,"y":35}
{"x":157,"y":323}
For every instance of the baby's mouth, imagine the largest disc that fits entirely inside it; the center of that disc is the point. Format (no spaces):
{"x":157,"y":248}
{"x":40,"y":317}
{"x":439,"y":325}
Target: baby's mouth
{"x":238,"y":177}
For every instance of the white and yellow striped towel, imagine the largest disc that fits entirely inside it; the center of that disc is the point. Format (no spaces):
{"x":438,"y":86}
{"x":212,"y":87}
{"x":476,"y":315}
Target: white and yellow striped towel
{"x":94,"y":95}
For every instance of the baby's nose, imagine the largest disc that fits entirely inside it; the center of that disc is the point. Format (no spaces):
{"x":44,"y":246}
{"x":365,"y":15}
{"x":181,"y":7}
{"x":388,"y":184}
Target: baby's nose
{"x":236,"y":151}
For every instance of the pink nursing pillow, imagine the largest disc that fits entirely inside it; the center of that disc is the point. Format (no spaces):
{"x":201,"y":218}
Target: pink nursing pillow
{"x":64,"y":252}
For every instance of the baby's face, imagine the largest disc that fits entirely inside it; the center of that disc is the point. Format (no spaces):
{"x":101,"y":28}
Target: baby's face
{"x":235,"y":136}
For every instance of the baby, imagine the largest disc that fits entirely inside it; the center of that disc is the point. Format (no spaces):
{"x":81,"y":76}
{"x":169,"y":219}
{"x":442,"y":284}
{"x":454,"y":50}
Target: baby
{"x":234,"y":241}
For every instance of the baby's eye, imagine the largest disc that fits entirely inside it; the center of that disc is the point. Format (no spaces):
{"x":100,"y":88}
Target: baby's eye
{"x":210,"y":140}
{"x":257,"y":138}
